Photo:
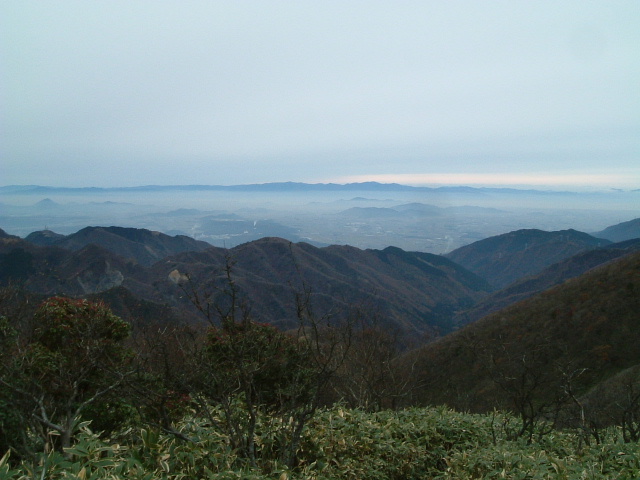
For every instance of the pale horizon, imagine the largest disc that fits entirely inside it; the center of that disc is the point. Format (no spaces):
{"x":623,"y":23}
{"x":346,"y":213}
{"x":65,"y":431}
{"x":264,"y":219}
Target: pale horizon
{"x":555,"y":183}
{"x":506,"y":93}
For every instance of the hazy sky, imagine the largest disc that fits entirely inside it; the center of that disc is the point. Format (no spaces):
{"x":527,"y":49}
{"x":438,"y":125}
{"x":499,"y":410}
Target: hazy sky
{"x":106,"y":93}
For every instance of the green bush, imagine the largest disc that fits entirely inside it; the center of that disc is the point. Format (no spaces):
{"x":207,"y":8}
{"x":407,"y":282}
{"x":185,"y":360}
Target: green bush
{"x":70,"y":359}
{"x":341,"y":443}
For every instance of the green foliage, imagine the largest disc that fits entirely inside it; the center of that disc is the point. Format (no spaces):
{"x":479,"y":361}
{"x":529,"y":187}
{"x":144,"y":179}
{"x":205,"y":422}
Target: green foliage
{"x":11,"y":423}
{"x":74,"y":326}
{"x":387,"y":445}
{"x":555,"y":459}
{"x":70,"y":357}
{"x":251,"y":370}
{"x":341,"y":443}
{"x":275,"y":367}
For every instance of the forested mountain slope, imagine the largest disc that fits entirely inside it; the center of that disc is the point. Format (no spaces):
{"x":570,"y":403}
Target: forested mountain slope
{"x":411,"y":293}
{"x":621,"y":232}
{"x":529,"y":350}
{"x":505,"y":258}
{"x":142,"y":245}
{"x":406,"y":291}
{"x":549,"y":277}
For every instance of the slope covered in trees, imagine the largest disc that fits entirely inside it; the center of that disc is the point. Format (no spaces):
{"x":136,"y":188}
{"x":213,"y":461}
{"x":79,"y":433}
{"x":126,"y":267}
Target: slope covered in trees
{"x":622,"y":231}
{"x":414,"y":293}
{"x":144,"y":246}
{"x":549,"y":277}
{"x":544,"y":353}
{"x":505,"y":258}
{"x":248,"y":387}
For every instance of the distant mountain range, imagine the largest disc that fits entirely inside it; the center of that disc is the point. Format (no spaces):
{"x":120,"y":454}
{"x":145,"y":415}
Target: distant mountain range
{"x":412,"y":292}
{"x":420,"y":210}
{"x":267,"y":187}
{"x":365,"y":215}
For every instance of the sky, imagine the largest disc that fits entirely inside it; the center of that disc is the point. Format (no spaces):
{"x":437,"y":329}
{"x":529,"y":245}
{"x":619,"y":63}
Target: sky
{"x":125,"y":93}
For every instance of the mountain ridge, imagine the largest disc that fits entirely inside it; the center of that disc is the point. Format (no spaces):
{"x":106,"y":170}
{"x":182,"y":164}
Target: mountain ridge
{"x":274,"y":186}
{"x":622,"y":231}
{"x":420,"y":292}
{"x":549,"y":277}
{"x":505,"y":258}
{"x":145,"y":246}
{"x":587,"y":324}
{"x":414,"y":293}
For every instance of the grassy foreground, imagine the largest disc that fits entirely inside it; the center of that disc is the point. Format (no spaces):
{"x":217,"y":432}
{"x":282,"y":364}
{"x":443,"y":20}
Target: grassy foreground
{"x":339,"y":443}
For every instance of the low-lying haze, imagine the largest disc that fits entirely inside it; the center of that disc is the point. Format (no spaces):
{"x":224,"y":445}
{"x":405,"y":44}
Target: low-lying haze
{"x":363,"y":215}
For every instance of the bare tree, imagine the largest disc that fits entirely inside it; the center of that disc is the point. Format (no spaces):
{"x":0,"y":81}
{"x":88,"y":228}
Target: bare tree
{"x":163,"y":384}
{"x":249,"y":369}
{"x":373,"y":375}
{"x":532,"y":386}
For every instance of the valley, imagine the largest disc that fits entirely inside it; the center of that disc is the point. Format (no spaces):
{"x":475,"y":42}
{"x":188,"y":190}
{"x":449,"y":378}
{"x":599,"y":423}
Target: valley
{"x":475,"y":313}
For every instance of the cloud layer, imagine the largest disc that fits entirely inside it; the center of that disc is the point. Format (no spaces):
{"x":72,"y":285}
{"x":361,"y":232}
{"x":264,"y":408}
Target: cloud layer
{"x":115,"y":93}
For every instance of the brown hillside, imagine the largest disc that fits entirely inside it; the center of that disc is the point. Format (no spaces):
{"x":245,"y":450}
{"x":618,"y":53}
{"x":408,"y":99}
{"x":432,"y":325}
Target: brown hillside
{"x":589,"y":324}
{"x":144,"y":246}
{"x":549,"y":277}
{"x":411,"y":292}
{"x":506,"y":258}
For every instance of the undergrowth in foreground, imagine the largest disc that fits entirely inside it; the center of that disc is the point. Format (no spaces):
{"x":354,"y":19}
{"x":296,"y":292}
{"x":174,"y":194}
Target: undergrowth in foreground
{"x":341,"y":443}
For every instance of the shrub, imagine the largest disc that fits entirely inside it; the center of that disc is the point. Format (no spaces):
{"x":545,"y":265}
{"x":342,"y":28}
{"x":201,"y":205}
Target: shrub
{"x":72,"y":359}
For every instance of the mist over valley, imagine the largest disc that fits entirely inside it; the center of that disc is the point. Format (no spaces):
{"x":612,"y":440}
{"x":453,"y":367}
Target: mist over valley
{"x":366,"y":215}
